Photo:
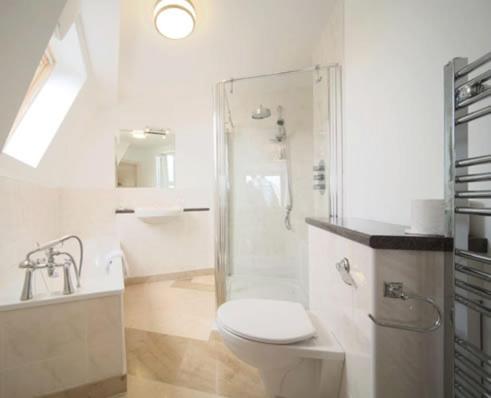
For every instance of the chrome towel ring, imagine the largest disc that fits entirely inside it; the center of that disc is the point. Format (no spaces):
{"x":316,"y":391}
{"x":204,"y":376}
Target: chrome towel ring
{"x":395,"y":290}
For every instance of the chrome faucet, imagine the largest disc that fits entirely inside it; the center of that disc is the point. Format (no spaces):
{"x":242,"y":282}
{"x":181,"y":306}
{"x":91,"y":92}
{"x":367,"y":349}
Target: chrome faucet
{"x":49,"y":263}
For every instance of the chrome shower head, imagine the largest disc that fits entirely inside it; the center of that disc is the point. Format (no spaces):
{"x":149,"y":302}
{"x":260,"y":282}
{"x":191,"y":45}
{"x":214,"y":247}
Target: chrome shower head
{"x":261,"y":113}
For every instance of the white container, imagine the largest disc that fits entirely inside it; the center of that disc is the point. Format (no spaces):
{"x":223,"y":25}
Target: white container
{"x":427,"y":217}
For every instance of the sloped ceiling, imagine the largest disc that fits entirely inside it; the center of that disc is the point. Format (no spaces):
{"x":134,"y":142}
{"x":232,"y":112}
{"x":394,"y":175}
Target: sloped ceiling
{"x":25,"y":29}
{"x":231,"y":38}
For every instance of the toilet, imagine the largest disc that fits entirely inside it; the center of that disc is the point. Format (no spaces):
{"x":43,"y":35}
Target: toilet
{"x":295,"y":356}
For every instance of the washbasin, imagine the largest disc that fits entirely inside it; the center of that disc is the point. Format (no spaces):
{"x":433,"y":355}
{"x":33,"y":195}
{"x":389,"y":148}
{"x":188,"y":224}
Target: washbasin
{"x":158,"y":215}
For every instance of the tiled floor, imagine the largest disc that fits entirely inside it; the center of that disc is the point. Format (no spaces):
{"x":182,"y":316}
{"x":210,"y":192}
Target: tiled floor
{"x":172,"y":350}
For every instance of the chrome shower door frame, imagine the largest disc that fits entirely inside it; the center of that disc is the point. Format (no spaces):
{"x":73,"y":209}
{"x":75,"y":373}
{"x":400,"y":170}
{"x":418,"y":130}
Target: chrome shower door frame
{"x":222,"y":180}
{"x":222,"y":193}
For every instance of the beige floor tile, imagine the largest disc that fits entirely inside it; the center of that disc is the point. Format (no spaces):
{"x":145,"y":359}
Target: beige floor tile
{"x":204,"y":279}
{"x":144,"y":388}
{"x":189,"y":284}
{"x":194,"y":364}
{"x":160,"y":308}
{"x":171,"y":349}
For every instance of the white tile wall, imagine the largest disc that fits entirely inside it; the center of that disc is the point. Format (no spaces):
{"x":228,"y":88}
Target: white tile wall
{"x":28,"y":214}
{"x":149,"y":249}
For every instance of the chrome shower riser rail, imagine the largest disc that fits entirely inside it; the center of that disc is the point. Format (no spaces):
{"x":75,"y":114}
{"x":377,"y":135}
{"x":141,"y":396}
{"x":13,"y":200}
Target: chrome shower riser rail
{"x":474,"y":211}
{"x":473,"y":115}
{"x":478,"y":177}
{"x":474,"y":161}
{"x":473,"y":194}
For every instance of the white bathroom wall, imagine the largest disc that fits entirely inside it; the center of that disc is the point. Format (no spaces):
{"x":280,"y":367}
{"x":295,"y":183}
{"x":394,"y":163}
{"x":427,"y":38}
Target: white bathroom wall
{"x":174,"y":90}
{"x":394,"y":55}
{"x":329,"y":45}
{"x":28,"y":214}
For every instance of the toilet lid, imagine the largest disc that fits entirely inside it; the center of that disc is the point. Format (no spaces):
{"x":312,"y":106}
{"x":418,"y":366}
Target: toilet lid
{"x":266,"y":321}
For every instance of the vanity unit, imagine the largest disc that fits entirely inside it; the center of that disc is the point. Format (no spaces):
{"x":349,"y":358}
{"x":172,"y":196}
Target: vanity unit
{"x":380,"y":292}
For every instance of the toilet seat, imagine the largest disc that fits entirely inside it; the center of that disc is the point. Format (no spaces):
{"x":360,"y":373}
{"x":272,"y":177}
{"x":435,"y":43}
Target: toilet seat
{"x":266,"y":321}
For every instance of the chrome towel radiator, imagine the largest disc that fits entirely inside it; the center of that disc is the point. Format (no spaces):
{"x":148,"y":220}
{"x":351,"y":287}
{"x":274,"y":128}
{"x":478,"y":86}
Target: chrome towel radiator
{"x":468,"y":273}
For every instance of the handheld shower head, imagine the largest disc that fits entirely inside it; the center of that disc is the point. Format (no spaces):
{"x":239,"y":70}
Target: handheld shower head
{"x":261,"y":113}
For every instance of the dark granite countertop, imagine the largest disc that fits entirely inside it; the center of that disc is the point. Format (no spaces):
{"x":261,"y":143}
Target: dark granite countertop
{"x":379,"y":235}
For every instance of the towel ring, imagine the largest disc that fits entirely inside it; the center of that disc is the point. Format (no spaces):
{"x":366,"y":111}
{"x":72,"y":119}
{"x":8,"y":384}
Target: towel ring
{"x":395,"y":290}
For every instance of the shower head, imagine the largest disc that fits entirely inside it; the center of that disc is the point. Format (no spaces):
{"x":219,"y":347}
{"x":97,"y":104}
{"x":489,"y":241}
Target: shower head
{"x":261,"y":113}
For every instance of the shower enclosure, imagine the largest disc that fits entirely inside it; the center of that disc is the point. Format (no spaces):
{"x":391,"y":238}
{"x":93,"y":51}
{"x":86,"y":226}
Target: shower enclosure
{"x":278,"y":161}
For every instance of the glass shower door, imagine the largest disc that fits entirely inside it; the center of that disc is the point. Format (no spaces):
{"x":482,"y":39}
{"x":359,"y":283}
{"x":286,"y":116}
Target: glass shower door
{"x":271,"y":132}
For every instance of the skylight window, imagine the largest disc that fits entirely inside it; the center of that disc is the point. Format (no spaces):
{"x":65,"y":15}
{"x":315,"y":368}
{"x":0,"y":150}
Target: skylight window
{"x":56,"y":83}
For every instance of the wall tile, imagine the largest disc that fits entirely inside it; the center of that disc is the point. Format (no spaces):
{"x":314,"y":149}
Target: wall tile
{"x":44,"y":332}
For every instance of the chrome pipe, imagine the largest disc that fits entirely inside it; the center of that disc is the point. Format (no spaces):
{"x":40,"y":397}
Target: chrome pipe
{"x":483,"y":77}
{"x":77,"y":276}
{"x":484,"y":211}
{"x":474,"y":99}
{"x":464,"y":392}
{"x":473,"y":256}
{"x":475,"y":367}
{"x":473,"y":115}
{"x":465,"y":269}
{"x":58,"y":241}
{"x":473,"y":350}
{"x":473,"y":161}
{"x":477,"y":290}
{"x":473,"y":65}
{"x":478,"y":177}
{"x":473,"y":194}
{"x":474,"y":382}
{"x":67,"y":281}
{"x":287,"y":72}
{"x":27,"y":286}
{"x":472,"y":304}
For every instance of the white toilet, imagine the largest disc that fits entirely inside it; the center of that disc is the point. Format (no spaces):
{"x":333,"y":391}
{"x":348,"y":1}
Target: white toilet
{"x":295,"y":356}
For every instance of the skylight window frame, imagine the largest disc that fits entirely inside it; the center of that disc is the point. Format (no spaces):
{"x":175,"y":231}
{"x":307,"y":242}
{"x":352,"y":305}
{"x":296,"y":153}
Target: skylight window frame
{"x":41,"y":75}
{"x":50,"y":97}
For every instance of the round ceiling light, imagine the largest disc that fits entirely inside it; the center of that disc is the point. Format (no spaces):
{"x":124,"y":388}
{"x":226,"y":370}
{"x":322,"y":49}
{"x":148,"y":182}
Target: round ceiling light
{"x":174,"y":19}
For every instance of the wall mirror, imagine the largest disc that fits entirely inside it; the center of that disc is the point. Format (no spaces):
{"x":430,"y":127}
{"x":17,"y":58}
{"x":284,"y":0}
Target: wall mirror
{"x":145,"y":158}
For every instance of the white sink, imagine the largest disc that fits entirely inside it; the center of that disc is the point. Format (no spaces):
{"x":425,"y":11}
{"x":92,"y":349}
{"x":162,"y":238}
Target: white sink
{"x":158,"y":215}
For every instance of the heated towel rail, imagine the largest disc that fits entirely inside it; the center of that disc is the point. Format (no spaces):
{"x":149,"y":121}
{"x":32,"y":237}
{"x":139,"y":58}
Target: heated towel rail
{"x":468,"y":273}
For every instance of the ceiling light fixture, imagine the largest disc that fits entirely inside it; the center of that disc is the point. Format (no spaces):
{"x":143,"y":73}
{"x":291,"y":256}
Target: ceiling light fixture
{"x":174,"y":19}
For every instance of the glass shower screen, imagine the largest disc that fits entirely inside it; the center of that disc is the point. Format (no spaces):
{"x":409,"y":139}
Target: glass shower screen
{"x":274,"y":163}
